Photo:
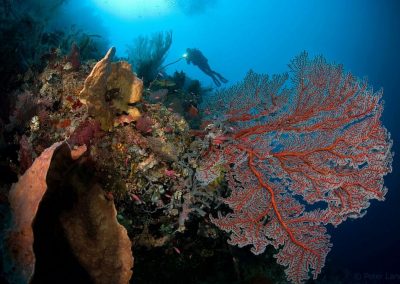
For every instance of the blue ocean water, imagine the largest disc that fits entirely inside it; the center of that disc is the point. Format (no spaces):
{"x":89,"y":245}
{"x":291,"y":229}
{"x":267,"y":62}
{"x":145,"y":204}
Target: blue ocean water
{"x":264,"y":36}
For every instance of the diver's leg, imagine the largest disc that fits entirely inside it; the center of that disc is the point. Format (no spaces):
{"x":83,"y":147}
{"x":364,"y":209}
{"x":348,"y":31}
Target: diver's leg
{"x":206,"y":71}
{"x":223,"y":80}
{"x":210,"y":73}
{"x":218,"y":83}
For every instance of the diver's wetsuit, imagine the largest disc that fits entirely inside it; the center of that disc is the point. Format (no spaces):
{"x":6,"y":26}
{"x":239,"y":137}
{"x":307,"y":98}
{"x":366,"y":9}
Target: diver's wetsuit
{"x":197,"y":58}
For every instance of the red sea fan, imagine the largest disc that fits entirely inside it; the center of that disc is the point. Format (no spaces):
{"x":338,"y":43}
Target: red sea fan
{"x":297,"y":157}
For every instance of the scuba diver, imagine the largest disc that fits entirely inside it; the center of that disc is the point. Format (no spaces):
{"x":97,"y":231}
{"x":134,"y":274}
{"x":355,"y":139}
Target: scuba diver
{"x":194,"y":56}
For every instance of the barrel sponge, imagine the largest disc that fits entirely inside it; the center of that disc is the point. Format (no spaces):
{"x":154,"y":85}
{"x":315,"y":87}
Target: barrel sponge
{"x":85,"y":212}
{"x":111,"y":82}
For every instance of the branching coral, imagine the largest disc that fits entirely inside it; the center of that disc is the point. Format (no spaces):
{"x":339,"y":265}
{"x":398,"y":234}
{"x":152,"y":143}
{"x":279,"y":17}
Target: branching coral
{"x":147,"y":54}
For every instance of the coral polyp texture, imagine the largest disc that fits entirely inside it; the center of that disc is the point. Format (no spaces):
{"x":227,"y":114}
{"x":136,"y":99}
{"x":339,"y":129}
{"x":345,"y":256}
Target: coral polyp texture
{"x":298,"y":156}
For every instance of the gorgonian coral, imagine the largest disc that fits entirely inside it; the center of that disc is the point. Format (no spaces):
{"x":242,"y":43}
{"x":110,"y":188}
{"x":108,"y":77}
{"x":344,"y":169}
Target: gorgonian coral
{"x":297,"y":157}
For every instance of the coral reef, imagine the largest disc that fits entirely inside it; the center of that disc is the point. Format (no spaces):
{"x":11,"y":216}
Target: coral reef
{"x":297,"y":159}
{"x":145,"y":165}
{"x":33,"y":32}
{"x":180,"y":94}
{"x":264,"y":163}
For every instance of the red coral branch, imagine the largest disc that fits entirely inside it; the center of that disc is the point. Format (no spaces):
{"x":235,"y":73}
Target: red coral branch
{"x":318,"y":141}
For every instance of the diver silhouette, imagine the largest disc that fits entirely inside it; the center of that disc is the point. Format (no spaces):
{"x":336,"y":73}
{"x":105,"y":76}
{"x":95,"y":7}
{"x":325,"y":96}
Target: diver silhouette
{"x":194,"y":56}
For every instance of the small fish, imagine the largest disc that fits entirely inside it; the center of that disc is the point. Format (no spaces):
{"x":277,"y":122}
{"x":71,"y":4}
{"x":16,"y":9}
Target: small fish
{"x":164,"y":83}
{"x":126,"y":161}
{"x":207,"y":111}
{"x":158,"y":95}
{"x":177,"y":250}
{"x":205,"y":124}
{"x":170,"y":173}
{"x":136,"y":198}
{"x":168,"y":129}
{"x":193,"y":112}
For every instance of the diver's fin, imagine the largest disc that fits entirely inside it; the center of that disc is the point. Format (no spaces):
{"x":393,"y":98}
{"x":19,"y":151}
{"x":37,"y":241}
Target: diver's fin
{"x":222,"y":79}
{"x":218,"y":83}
